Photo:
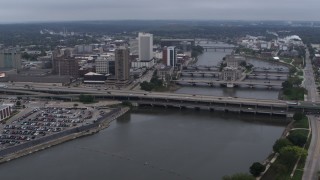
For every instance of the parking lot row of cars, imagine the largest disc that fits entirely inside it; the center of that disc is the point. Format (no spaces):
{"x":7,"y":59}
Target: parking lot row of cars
{"x":41,"y":122}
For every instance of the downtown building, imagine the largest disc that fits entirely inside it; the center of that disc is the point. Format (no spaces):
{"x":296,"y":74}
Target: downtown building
{"x":10,"y":58}
{"x":122,"y":65}
{"x":102,"y":65}
{"x":169,"y":56}
{"x":145,"y":44}
{"x":64,"y":64}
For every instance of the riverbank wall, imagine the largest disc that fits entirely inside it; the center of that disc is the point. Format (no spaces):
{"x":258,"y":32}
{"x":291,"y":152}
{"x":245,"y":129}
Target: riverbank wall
{"x":269,"y":61}
{"x":61,"y":137}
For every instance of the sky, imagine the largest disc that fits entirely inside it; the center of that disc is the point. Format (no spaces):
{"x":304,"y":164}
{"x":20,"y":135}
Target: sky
{"x":68,"y":10}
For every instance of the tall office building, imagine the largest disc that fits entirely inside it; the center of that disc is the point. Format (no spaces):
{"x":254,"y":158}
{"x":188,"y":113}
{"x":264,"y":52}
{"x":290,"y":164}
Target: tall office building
{"x":10,"y":58}
{"x":65,"y":64}
{"x":122,"y":65}
{"x":102,"y":65}
{"x":169,"y":56}
{"x":145,"y":42}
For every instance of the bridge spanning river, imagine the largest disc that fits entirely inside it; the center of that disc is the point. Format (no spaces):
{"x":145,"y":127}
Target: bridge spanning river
{"x":251,"y":84}
{"x":175,"y":100}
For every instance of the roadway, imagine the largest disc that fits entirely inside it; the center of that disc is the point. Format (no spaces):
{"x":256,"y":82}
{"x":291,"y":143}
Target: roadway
{"x":276,"y":83}
{"x":176,"y":96}
{"x":63,"y":90}
{"x":312,"y":162}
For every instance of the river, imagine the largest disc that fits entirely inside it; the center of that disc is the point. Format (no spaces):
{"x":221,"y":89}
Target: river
{"x":154,"y":144}
{"x":213,"y":58}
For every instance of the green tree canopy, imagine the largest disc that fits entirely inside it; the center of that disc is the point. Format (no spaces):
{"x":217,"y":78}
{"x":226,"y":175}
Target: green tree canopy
{"x":146,"y":86}
{"x":239,"y":176}
{"x":289,"y":154}
{"x":297,"y":138}
{"x":256,"y":169}
{"x":18,"y":103}
{"x":298,"y":116}
{"x":281,"y":143}
{"x":287,"y":84}
{"x":86,"y":98}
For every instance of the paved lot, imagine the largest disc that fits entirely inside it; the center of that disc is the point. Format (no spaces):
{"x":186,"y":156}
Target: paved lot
{"x":35,"y":122}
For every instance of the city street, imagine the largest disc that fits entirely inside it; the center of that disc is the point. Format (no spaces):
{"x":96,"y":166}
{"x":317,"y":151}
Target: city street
{"x":312,"y":162}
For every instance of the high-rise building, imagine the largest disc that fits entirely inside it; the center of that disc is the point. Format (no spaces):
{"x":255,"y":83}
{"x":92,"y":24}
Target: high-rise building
{"x":164,"y":55}
{"x":122,"y":65}
{"x":145,"y":42}
{"x":171,"y":54}
{"x":102,"y":65}
{"x":64,"y":64}
{"x":10,"y":58}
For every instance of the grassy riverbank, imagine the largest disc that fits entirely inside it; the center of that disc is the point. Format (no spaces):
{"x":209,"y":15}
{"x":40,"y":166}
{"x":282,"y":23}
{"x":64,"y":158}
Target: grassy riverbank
{"x":289,"y":165}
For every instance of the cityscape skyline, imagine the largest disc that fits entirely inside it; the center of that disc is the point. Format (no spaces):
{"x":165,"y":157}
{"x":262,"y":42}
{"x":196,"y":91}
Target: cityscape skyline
{"x":37,"y":11}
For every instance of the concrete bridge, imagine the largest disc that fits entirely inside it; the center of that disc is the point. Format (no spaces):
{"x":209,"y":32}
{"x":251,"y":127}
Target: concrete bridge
{"x":200,"y":73}
{"x":215,"y":48}
{"x":261,"y":70}
{"x":181,"y":101}
{"x":267,"y":76}
{"x":227,"y":83}
{"x":206,"y":68}
{"x":218,"y":82}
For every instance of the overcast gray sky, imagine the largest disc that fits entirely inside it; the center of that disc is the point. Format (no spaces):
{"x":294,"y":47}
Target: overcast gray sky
{"x":64,"y":10}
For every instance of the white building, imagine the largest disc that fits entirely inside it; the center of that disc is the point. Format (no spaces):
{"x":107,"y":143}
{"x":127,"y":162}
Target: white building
{"x":234,"y":61}
{"x":134,"y":47}
{"x":171,"y":56}
{"x":102,"y":65}
{"x":5,"y":111}
{"x":145,"y":42}
{"x":140,"y":64}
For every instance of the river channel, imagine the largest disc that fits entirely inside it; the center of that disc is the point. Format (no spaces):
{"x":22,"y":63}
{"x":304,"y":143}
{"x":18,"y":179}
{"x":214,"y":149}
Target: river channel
{"x":213,"y":58}
{"x":160,"y":144}
{"x":154,"y":144}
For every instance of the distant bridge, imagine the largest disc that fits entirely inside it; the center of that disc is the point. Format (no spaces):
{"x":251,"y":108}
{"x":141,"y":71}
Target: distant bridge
{"x":227,"y":83}
{"x":207,"y":68}
{"x":215,"y":48}
{"x":270,"y":70}
{"x":200,"y":73}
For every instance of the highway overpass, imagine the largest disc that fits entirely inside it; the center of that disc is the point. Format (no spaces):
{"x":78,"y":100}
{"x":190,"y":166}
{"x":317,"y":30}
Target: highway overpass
{"x":214,"y":103}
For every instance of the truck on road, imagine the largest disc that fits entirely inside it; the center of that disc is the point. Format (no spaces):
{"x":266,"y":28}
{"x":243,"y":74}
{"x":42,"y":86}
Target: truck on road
{"x":3,"y":86}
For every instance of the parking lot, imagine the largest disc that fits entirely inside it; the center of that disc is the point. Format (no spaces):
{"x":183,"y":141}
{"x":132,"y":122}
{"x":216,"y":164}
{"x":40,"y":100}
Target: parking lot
{"x":41,"y":122}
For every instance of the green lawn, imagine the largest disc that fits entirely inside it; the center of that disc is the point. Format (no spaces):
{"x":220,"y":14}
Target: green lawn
{"x":287,"y":60}
{"x":297,"y":174}
{"x":304,"y":123}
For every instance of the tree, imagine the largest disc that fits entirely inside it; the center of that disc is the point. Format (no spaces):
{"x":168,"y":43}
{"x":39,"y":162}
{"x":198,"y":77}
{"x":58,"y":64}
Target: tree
{"x":146,"y":86}
{"x":256,"y":169}
{"x":281,"y":143}
{"x":298,"y":116}
{"x":295,"y":81}
{"x":289,"y":154}
{"x":287,"y":85}
{"x":127,"y":103}
{"x":243,"y":63}
{"x":292,"y":70}
{"x":86,"y":98}
{"x":297,"y":138}
{"x":239,"y":176}
{"x":18,"y":103}
{"x":280,"y":168}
